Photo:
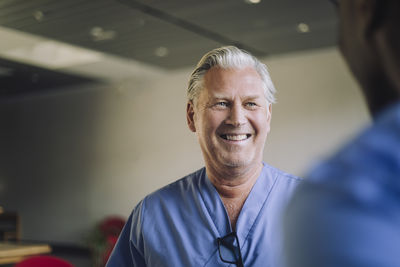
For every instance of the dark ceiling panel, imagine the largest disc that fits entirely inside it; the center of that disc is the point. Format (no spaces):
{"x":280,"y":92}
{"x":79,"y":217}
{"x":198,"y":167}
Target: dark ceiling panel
{"x":270,"y":26}
{"x":18,"y":79}
{"x":182,"y":29}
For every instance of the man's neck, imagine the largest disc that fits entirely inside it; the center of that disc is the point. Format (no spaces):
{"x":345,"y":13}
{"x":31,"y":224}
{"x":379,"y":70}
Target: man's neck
{"x":234,"y":182}
{"x":382,"y":86}
{"x":381,"y":92}
{"x":234,"y":186}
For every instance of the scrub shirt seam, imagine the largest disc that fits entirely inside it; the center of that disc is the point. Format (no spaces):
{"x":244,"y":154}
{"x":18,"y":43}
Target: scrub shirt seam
{"x":258,"y":215}
{"x":208,"y":210}
{"x":209,"y":214}
{"x":142,"y":217}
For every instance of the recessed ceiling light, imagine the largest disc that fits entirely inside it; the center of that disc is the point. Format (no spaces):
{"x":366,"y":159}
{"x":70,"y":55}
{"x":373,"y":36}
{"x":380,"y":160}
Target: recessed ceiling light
{"x":252,"y":1}
{"x":38,"y":15}
{"x":303,"y":28}
{"x":99,"y":34}
{"x":161,"y":51}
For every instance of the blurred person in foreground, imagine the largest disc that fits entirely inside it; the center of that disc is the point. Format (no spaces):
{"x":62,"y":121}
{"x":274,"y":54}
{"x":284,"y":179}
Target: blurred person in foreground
{"x":347,"y":212}
{"x":228,"y":213}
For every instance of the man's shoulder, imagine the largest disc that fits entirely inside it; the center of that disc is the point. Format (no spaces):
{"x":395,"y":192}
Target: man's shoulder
{"x":281,"y":175}
{"x":178,"y":188}
{"x":375,"y":148}
{"x":362,"y":169}
{"x":352,"y":192}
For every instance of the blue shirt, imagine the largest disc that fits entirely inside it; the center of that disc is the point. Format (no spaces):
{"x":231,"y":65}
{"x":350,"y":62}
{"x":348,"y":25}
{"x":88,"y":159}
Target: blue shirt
{"x":179,"y":224}
{"x":347,"y":213}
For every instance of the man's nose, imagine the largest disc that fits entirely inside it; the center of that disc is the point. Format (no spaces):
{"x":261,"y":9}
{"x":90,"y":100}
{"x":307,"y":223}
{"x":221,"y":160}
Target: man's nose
{"x":237,"y":116}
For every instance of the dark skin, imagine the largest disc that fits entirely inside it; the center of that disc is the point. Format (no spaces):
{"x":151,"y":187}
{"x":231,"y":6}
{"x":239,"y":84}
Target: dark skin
{"x":369,"y":41}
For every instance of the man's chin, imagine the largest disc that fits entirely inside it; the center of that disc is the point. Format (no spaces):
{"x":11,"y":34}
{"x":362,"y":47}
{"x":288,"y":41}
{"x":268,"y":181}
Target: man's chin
{"x":236,"y":163}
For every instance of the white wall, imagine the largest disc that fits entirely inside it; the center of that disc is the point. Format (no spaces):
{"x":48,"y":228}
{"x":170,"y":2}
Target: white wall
{"x":69,"y":159}
{"x":319,"y":107}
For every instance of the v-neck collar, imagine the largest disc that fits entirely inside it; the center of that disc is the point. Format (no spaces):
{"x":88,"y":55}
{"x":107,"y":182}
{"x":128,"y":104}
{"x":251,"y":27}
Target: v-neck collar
{"x":250,"y":211}
{"x":254,"y":203}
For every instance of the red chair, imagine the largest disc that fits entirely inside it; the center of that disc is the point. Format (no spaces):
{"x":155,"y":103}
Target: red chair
{"x":111,"y":227}
{"x":43,"y":261}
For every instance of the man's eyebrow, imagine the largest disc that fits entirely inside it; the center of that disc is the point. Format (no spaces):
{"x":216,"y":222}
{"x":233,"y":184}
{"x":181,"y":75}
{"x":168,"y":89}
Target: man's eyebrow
{"x":252,"y":97}
{"x":218,"y":97}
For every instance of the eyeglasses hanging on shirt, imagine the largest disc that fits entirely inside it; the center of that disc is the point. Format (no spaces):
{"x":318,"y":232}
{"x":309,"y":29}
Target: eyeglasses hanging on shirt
{"x":229,"y":249}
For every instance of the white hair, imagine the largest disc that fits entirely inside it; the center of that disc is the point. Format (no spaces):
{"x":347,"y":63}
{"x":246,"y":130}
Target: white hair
{"x":229,"y":57}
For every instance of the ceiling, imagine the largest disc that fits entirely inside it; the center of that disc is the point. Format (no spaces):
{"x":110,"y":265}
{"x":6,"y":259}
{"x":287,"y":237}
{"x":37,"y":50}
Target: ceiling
{"x":15,"y":78}
{"x":168,"y":34}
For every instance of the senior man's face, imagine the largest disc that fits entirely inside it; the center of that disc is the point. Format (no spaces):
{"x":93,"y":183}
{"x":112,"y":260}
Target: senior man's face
{"x":231,"y":117}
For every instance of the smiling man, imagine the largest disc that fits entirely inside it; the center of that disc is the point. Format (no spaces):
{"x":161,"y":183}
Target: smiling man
{"x":230,"y":211}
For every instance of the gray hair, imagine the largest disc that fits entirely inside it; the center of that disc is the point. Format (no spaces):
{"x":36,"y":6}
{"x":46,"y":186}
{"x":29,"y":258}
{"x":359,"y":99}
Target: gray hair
{"x":229,"y":57}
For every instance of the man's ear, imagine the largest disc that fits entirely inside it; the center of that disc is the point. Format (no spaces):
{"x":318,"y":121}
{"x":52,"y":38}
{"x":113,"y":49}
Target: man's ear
{"x":269,"y":115}
{"x":190,"y":116}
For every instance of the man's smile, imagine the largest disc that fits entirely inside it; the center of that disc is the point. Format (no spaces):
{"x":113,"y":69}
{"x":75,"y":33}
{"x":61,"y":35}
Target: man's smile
{"x":235,"y":137}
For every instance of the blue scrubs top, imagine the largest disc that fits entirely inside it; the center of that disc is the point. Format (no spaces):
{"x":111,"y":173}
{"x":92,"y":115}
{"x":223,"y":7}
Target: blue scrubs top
{"x":178,"y":225}
{"x":347,"y":212}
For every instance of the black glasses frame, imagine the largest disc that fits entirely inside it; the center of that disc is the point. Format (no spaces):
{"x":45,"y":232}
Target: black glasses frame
{"x":222,"y":241}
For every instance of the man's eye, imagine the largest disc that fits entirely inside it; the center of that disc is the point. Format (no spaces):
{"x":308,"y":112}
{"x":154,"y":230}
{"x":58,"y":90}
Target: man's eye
{"x":221,"y":104}
{"x":251,"y":104}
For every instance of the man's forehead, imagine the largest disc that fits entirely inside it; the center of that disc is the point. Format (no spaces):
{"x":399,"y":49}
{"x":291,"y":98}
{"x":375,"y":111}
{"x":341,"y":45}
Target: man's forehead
{"x":224,"y":95}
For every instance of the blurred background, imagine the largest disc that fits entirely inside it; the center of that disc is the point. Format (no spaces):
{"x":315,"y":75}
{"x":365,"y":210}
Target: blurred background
{"x":93,"y":98}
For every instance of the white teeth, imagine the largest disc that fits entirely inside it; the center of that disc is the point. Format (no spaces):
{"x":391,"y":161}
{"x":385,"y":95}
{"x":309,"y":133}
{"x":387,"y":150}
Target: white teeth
{"x":236,"y":137}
